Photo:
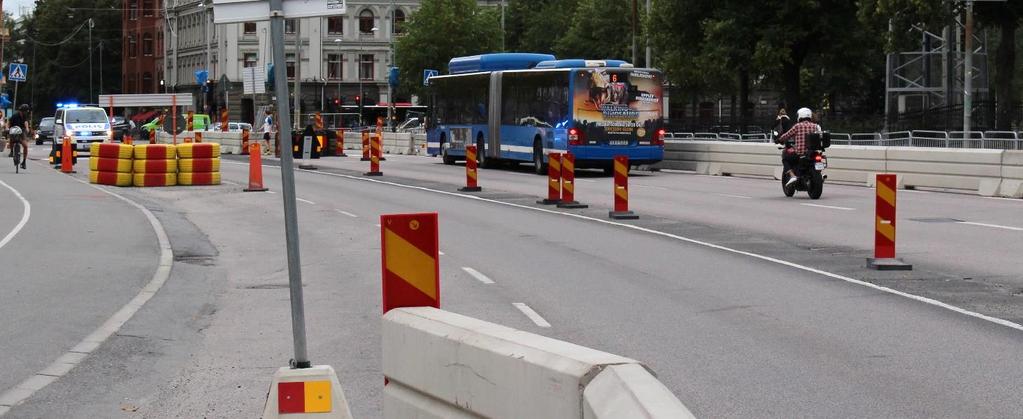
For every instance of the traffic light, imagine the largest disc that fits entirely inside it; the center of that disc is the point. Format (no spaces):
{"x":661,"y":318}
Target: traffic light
{"x":358,"y":100}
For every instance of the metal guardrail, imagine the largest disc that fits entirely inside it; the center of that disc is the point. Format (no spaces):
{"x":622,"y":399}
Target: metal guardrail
{"x":998,"y":140}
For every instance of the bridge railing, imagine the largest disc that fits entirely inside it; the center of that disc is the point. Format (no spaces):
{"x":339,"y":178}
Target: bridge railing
{"x":997,"y":140}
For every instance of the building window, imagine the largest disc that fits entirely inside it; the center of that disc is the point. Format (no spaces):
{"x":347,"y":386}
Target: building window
{"x":366,"y":21}
{"x":289,"y":26}
{"x":159,"y":44}
{"x":251,"y":59}
{"x":366,"y":67}
{"x":399,"y":21}
{"x":334,"y":67}
{"x":133,"y":10}
{"x":147,"y":7}
{"x":250,"y":28}
{"x":147,"y":45}
{"x":147,"y":83}
{"x":290,"y":58}
{"x":334,"y":25}
{"x":132,"y":46}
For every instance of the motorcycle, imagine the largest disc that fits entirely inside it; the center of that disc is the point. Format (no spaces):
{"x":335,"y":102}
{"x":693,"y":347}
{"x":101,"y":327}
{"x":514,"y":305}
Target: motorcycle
{"x":810,"y":167}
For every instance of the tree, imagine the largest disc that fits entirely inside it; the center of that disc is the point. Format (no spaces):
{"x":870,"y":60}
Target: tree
{"x":56,"y":41}
{"x":441,"y":30}
{"x":537,"y":25}
{"x":1005,"y":16}
{"x":598,"y":29}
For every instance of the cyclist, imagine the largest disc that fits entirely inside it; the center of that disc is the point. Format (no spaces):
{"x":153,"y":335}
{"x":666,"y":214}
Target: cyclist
{"x":21,"y":134}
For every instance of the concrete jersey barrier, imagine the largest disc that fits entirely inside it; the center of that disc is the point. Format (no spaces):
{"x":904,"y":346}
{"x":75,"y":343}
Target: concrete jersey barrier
{"x":984,"y":171}
{"x":444,"y":365}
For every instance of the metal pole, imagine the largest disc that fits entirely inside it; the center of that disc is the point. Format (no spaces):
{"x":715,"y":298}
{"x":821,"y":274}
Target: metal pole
{"x":101,"y":70}
{"x":649,"y":64}
{"x":390,"y":59}
{"x":298,"y":74}
{"x":968,"y":71}
{"x":209,"y":74}
{"x":635,"y":49}
{"x":887,"y":90}
{"x":502,"y":25}
{"x":288,"y":187}
{"x":90,"y":61}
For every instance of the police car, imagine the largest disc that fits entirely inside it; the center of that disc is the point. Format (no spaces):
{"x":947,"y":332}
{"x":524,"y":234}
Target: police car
{"x":84,"y":125}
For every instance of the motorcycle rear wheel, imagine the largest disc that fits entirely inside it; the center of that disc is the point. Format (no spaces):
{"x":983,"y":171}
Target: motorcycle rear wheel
{"x":816,"y":185}
{"x":788,"y":190}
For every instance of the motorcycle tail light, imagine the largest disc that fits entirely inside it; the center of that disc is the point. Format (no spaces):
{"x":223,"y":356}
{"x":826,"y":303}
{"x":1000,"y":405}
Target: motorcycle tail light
{"x":819,"y":157}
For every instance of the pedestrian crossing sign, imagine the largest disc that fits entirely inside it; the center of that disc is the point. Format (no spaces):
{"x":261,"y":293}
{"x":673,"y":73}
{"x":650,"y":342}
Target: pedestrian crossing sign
{"x":18,"y":72}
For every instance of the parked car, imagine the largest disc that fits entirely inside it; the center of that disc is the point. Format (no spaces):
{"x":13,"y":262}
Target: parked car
{"x":45,"y":131}
{"x":233,"y":126}
{"x":121,"y":126}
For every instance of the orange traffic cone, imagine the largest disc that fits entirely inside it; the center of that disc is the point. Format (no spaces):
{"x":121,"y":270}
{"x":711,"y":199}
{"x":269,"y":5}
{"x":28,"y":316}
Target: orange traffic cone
{"x":66,"y":164}
{"x":255,"y":170}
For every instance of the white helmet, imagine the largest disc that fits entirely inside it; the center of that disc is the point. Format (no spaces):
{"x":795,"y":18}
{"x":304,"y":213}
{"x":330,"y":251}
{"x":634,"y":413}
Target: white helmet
{"x":15,"y":131}
{"x":804,"y":113}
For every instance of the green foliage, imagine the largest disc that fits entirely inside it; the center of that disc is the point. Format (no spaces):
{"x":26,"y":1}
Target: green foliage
{"x":537,"y":25}
{"x":61,"y":72}
{"x":441,"y":30}
{"x":599,"y":29}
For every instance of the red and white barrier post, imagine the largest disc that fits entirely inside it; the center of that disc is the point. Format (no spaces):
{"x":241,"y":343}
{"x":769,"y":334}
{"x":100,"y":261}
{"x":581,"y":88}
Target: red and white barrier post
{"x":471,"y":172}
{"x":553,"y":180}
{"x":568,"y":183}
{"x":884,"y":227}
{"x":621,"y":190}
{"x":365,"y":146}
{"x":340,"y":146}
{"x":374,"y":157}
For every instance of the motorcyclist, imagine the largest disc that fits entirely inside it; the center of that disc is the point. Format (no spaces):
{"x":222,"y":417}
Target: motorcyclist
{"x":798,"y":132}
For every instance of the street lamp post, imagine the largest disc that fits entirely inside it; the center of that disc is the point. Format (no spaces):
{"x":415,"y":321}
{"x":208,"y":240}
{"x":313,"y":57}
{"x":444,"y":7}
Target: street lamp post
{"x":340,"y":72}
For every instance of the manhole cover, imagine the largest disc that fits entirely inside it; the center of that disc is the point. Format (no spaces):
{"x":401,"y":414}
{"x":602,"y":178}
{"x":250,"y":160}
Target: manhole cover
{"x":936,"y":220}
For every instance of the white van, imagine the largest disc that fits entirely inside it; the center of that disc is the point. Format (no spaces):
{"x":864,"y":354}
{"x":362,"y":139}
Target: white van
{"x":84,"y":125}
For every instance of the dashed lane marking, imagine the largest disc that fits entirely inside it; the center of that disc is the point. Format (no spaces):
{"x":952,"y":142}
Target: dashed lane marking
{"x":533,"y":315}
{"x":347,"y":213}
{"x":476,"y":274}
{"x":26,"y":213}
{"x":829,"y":207}
{"x":305,"y":201}
{"x":990,"y":225}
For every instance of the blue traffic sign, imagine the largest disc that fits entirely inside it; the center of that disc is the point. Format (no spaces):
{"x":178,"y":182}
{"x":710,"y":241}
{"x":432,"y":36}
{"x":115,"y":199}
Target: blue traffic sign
{"x":18,"y":72}
{"x":427,"y":74}
{"x":201,"y":76}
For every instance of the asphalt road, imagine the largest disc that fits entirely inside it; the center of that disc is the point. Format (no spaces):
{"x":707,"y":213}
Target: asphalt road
{"x":81,"y":255}
{"x":731,"y":335}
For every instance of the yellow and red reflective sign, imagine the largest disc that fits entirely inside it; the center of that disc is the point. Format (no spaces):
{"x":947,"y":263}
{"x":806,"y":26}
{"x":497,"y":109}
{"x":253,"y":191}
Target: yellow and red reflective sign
{"x":554,"y":177}
{"x":884,"y":224}
{"x":411,"y":263}
{"x":304,"y":397}
{"x":621,"y":183}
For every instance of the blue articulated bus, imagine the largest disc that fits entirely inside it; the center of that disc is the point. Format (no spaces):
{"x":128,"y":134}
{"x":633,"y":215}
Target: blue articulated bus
{"x":518,"y":107}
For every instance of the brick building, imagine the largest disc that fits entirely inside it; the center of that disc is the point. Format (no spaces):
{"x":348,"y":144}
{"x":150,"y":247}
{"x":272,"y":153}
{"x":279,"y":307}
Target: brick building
{"x":142,"y":66}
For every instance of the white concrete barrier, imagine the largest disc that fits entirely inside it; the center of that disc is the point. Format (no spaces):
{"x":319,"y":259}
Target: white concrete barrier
{"x":230,"y":142}
{"x":987,"y":172}
{"x":440,"y":365}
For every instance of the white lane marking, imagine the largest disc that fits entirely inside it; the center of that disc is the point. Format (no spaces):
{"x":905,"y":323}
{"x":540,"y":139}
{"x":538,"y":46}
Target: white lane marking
{"x":533,"y":315}
{"x":476,"y":274}
{"x":585,"y":180}
{"x":26,"y":213}
{"x":640,"y":185}
{"x":347,"y":213}
{"x":829,"y":207}
{"x":794,"y":265}
{"x":1004,"y":199}
{"x":230,"y":183}
{"x":726,"y":195}
{"x":990,"y":225}
{"x":73,"y":357}
{"x":440,"y":253}
{"x":378,"y":225}
{"x":270,"y":192}
{"x":306,"y":201}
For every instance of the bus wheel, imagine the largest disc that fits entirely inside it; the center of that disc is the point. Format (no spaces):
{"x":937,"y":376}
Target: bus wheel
{"x":481,"y":154}
{"x":448,"y":160}
{"x":538,"y":166}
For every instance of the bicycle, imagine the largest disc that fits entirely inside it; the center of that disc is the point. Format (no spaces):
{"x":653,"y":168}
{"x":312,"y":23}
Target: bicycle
{"x":15,"y":147}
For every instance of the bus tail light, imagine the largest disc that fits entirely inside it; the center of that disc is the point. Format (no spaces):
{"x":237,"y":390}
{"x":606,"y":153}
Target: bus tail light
{"x":575,"y":136}
{"x":658,"y":137}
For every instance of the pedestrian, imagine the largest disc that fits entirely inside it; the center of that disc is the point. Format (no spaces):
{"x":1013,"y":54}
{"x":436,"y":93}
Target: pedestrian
{"x":268,"y":130}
